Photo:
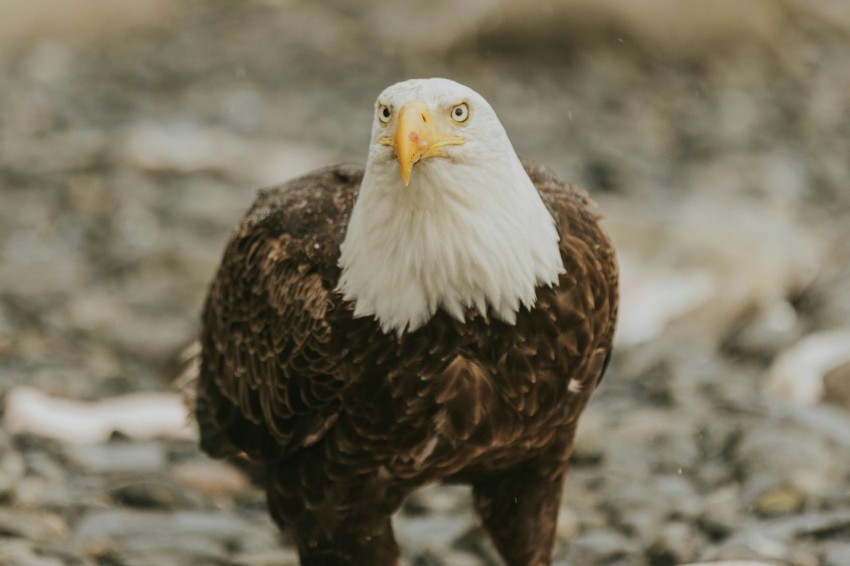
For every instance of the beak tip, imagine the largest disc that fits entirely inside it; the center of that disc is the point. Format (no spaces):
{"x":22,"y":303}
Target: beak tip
{"x":405,"y":175}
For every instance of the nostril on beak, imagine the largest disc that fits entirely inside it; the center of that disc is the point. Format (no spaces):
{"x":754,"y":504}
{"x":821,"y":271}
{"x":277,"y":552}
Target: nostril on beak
{"x":424,"y":116}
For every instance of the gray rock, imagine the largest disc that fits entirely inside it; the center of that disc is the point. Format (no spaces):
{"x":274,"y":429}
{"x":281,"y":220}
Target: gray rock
{"x":643,"y":507}
{"x":211,"y":477}
{"x":118,"y":457}
{"x":267,"y":557}
{"x":775,"y":539}
{"x":419,"y":533}
{"x":827,"y":421}
{"x":677,"y":543}
{"x":19,"y":552}
{"x":600,"y":547}
{"x":186,"y":535}
{"x":32,"y":525}
{"x":439,"y":499}
{"x":777,"y":456}
{"x":11,"y":466}
{"x":36,"y":492}
{"x":722,"y":513}
{"x":145,"y":494}
{"x":837,"y":554}
{"x":836,"y":384}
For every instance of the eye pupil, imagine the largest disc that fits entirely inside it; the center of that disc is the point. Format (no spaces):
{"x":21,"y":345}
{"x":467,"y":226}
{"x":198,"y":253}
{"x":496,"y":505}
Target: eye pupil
{"x":386,"y":112}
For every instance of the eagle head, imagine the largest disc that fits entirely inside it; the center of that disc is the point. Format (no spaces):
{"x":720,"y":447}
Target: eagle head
{"x":446,"y":216}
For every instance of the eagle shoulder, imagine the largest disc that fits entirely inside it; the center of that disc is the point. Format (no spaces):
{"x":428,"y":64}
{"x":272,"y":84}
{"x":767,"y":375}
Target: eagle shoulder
{"x":267,"y":384}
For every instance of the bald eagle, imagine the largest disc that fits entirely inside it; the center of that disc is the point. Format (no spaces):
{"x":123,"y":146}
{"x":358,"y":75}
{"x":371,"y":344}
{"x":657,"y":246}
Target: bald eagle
{"x":443,"y":314}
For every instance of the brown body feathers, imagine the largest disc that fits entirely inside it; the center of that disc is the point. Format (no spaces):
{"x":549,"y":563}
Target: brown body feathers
{"x":347,"y":420}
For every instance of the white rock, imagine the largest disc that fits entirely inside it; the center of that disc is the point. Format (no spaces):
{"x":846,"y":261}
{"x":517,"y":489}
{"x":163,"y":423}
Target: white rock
{"x":118,"y":457}
{"x":140,"y":416}
{"x":796,"y":376}
{"x":651,"y":299}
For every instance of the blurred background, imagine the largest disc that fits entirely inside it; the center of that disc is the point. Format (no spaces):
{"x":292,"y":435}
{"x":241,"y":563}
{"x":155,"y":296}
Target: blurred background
{"x":713,"y":134}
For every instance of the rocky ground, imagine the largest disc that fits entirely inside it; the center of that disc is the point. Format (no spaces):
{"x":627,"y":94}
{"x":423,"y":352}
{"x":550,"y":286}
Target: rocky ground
{"x":132,"y":140}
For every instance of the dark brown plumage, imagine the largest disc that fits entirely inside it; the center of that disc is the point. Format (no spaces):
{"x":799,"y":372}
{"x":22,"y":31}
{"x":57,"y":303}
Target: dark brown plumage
{"x":348,"y":420}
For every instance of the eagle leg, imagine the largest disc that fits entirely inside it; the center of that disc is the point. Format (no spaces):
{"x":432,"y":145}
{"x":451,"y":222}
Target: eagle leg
{"x":331,"y":535}
{"x":519,"y":510}
{"x":348,"y":546}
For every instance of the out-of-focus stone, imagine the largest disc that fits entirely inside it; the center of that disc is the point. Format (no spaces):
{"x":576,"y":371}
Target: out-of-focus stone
{"x":190,"y":148}
{"x":137,"y":415}
{"x":210,"y":477}
{"x":11,"y":466}
{"x":430,"y":531}
{"x":19,"y":552}
{"x":439,"y":499}
{"x":836,"y":382}
{"x":827,"y":421}
{"x":569,"y":524}
{"x":837,"y":554}
{"x":447,"y":557}
{"x":797,"y":375}
{"x":145,"y":495}
{"x":773,"y":540}
{"x":267,"y":557}
{"x":651,"y":299}
{"x":676,"y":543}
{"x":118,"y":457}
{"x":777,"y":453}
{"x":780,"y":499}
{"x":32,"y":525}
{"x":38,"y":492}
{"x":183,"y":529}
{"x":722,"y":513}
{"x":774,"y":327}
{"x":599,"y":547}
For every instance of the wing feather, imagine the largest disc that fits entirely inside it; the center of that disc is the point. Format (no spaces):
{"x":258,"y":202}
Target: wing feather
{"x":269,"y":381}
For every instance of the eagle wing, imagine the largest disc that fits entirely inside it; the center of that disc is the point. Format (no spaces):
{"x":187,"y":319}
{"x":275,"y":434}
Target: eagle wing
{"x":587,"y":297}
{"x":269,"y":373}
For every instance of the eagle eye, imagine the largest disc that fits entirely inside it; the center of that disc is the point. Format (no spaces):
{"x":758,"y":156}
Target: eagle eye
{"x":460,"y":112}
{"x":384,"y":113}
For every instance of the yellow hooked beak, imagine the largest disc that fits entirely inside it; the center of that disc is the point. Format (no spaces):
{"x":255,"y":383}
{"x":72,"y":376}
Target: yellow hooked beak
{"x":416,"y":138}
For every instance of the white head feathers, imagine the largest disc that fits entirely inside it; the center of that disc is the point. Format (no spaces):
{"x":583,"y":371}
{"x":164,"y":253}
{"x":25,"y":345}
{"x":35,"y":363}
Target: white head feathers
{"x":470,"y":229}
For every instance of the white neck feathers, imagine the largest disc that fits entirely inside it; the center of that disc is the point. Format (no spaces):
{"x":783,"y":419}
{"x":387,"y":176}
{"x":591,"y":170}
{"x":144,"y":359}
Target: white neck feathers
{"x":459,"y":236}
